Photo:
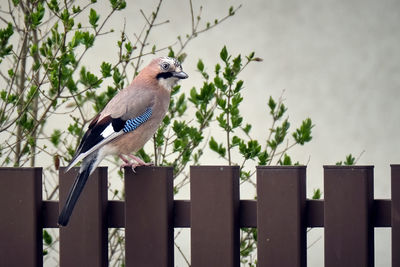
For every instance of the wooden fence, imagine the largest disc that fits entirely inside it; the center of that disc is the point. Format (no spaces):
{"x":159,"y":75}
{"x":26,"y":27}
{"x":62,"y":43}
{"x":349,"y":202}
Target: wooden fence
{"x":214,"y":213}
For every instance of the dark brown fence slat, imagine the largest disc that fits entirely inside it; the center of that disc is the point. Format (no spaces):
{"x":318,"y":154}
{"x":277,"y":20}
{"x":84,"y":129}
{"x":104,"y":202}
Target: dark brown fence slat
{"x":349,"y":233}
{"x":395,"y":169}
{"x":215,"y":231}
{"x":83,"y":242}
{"x":20,"y":219}
{"x":149,"y":229}
{"x":281,"y":219}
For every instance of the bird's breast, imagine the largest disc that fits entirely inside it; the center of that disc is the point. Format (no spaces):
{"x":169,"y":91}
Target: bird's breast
{"x":131,"y":142}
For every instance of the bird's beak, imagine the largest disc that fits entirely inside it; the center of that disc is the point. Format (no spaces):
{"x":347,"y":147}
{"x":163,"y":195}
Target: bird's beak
{"x":180,"y":75}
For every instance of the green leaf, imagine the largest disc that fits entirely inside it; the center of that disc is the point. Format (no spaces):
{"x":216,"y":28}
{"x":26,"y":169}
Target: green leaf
{"x":271,"y":105}
{"x":250,"y":56}
{"x":238,"y":87}
{"x":118,"y":4}
{"x":55,"y":137}
{"x":200,"y":65}
{"x":32,"y":92}
{"x":282,"y":110}
{"x":281,"y":132}
{"x":219,"y":83}
{"x":236,"y":141}
{"x":302,"y":135}
{"x":65,"y":15}
{"x":262,"y":158}
{"x":106,"y":69}
{"x":251,"y":150}
{"x":224,"y":54}
{"x":193,"y":96}
{"x":236,"y":99}
{"x":350,"y":160}
{"x":287,"y":161}
{"x":247,"y":128}
{"x":221,"y":103}
{"x":76,"y":9}
{"x":48,"y":240}
{"x":36,"y":17}
{"x":5,"y":34}
{"x":237,"y":63}
{"x":316,"y":194}
{"x":93,"y":18}
{"x":89,"y":79}
{"x":231,"y":12}
{"x":11,"y":73}
{"x":217,"y":148}
{"x":87,"y":39}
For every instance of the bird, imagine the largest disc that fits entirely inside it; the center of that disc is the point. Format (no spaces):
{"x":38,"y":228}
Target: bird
{"x":125,"y":124}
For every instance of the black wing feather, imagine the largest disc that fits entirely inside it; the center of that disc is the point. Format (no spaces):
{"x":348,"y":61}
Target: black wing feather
{"x":93,"y":136}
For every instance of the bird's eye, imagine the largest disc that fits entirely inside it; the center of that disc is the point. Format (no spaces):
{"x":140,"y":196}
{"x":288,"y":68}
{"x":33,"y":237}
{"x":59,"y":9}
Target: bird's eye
{"x":165,"y":66}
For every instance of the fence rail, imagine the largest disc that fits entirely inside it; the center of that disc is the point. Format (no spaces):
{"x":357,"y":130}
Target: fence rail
{"x":214,"y":213}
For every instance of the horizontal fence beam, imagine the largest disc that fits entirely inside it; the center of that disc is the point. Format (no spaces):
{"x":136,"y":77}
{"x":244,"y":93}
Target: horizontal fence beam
{"x":247,"y":213}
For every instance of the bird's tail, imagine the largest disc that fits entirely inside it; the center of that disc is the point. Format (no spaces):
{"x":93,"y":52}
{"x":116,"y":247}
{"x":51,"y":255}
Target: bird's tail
{"x":75,"y":191}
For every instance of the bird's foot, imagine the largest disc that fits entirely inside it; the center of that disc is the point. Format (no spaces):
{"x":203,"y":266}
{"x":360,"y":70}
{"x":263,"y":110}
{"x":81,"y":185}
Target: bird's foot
{"x":133,"y":165}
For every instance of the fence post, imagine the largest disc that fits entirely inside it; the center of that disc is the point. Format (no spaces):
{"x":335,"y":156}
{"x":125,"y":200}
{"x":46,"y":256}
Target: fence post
{"x":215,"y":232}
{"x":20,"y":219}
{"x":281,"y":220}
{"x":84,"y":241}
{"x":149,"y":226}
{"x":349,"y":230}
{"x":395,"y":215}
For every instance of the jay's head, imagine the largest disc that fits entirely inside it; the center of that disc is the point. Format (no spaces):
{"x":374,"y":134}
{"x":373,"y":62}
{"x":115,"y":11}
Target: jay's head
{"x":167,"y":71}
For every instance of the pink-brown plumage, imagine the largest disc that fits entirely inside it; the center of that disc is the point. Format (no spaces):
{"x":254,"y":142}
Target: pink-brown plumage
{"x":126,"y":123}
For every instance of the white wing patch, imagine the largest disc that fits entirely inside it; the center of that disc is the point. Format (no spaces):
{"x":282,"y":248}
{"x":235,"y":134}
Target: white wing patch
{"x":109,"y":130}
{"x":111,"y":137}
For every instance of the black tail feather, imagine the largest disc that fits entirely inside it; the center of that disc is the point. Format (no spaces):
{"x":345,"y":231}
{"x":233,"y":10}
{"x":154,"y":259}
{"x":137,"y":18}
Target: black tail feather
{"x":74,"y":194}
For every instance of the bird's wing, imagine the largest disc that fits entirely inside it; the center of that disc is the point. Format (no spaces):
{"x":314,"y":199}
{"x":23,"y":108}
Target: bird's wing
{"x":124,"y":113}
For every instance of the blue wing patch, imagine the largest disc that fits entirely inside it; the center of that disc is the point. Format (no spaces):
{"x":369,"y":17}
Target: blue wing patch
{"x":132,"y":124}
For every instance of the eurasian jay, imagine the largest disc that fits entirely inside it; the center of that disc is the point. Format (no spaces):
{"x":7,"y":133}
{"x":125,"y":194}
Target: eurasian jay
{"x":126,"y":123}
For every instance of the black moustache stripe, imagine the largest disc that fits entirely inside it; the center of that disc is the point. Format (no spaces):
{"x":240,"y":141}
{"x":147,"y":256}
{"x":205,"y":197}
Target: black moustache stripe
{"x":164,"y":75}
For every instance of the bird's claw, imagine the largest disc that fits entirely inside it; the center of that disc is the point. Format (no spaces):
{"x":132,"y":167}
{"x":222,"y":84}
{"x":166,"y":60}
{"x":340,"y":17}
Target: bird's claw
{"x":133,"y":165}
